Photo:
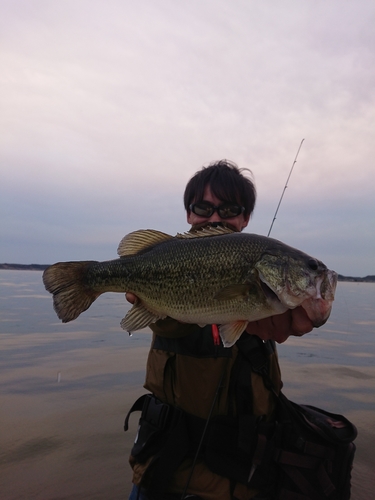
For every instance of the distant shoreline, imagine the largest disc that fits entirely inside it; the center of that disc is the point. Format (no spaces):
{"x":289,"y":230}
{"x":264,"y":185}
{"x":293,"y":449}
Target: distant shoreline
{"x":24,"y":267}
{"x":41,"y":267}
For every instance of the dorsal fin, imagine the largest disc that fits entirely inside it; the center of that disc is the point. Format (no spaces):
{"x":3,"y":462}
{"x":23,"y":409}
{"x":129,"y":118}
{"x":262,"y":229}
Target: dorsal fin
{"x":205,"y":232}
{"x":138,"y":241}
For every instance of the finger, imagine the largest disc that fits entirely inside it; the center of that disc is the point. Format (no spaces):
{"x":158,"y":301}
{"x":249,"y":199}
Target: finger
{"x":278,"y":327}
{"x":301,"y":323}
{"x":130,"y":297}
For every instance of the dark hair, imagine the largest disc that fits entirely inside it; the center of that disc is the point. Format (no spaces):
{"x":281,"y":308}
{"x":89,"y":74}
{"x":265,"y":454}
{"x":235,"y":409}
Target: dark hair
{"x":226,"y":182}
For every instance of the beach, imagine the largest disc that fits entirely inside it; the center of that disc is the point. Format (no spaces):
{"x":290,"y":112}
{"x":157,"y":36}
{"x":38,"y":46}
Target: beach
{"x":65,"y":391}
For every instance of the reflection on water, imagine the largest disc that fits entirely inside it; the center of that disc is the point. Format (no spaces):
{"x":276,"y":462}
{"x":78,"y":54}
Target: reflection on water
{"x":65,"y":388}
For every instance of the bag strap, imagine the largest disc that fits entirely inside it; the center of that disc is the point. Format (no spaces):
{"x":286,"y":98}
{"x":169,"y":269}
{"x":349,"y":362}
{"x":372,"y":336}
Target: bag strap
{"x":137,"y":406}
{"x":257,"y":353}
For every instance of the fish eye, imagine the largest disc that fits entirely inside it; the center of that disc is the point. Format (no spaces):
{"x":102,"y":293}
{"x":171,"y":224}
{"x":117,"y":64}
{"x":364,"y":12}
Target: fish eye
{"x":313,"y":264}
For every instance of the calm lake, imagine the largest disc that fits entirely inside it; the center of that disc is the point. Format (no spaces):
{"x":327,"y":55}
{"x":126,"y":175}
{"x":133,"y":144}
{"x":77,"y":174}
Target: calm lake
{"x":65,"y":388}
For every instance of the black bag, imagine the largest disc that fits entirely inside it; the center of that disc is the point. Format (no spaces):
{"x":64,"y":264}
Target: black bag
{"x":229,"y":446}
{"x":308,"y":455}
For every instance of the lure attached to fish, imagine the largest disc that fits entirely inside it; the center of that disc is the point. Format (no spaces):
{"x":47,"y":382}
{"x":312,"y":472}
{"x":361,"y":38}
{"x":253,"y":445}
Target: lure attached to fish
{"x":211,"y":276}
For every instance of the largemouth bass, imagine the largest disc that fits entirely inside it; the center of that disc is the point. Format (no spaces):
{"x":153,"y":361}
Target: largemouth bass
{"x":213,"y":276}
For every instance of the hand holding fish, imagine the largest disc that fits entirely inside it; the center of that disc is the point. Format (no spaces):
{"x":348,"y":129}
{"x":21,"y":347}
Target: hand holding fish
{"x":294,"y":322}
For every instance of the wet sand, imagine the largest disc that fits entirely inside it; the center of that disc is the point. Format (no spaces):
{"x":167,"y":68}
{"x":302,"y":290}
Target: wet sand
{"x":62,"y":428}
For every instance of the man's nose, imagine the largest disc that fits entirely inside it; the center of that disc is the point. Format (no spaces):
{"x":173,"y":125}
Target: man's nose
{"x":215,"y":217}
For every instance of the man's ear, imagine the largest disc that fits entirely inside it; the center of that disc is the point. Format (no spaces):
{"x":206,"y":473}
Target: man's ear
{"x":246,"y":222}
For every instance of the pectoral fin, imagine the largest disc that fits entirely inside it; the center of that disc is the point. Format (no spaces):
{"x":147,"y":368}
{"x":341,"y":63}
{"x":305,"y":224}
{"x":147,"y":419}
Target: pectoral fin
{"x":231,"y":332}
{"x":138,"y":317}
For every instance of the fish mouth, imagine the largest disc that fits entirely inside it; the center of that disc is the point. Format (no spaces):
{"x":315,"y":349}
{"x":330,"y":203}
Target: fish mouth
{"x":328,"y":285}
{"x":317,"y":302}
{"x":319,"y":308}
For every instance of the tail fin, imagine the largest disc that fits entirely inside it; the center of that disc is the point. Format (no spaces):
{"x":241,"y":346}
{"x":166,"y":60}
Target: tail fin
{"x":71,"y":296}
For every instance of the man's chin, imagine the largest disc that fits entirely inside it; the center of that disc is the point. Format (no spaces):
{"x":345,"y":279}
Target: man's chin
{"x":280,"y":338}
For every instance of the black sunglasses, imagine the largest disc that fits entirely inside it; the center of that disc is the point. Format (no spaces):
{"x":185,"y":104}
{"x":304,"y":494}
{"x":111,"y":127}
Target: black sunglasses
{"x":225,"y":210}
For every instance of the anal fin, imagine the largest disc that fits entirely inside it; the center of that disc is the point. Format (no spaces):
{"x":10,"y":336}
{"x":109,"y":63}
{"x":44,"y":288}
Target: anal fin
{"x":231,"y":332}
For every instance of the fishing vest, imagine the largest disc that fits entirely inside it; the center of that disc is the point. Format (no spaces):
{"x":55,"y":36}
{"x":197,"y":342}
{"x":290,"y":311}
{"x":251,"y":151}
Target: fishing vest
{"x":184,"y":371}
{"x":253,"y":440}
{"x":192,"y":378}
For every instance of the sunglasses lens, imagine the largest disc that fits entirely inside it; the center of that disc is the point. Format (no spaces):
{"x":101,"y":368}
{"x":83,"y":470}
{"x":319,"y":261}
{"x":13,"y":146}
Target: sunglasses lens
{"x":202,"y":209}
{"x":227,"y":210}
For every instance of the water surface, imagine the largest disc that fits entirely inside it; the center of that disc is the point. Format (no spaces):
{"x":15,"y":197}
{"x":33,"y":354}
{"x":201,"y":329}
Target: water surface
{"x":65,"y":388}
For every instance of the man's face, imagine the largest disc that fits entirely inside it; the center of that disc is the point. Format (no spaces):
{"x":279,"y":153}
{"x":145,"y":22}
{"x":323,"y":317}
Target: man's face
{"x":239,"y":222}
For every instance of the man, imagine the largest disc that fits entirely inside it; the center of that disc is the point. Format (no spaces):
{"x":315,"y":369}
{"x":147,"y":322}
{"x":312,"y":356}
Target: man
{"x":204,"y":395}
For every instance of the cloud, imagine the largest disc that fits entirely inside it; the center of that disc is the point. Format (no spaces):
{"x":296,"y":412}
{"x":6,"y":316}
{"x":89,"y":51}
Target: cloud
{"x":109,"y":108}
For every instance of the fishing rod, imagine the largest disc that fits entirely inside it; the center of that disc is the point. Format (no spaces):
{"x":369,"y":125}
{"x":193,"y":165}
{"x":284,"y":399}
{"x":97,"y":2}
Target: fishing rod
{"x":286,"y":185}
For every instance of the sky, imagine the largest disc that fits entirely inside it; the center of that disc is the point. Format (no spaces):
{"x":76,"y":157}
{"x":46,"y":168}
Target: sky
{"x":109,"y":107}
